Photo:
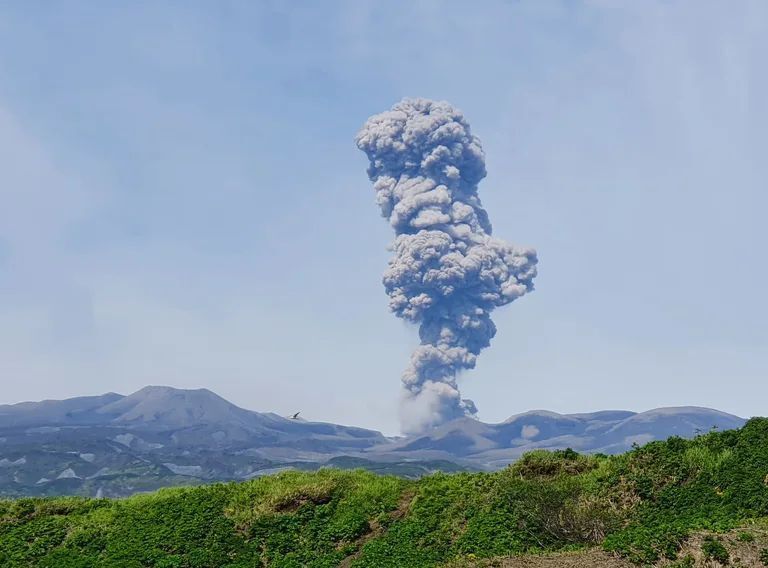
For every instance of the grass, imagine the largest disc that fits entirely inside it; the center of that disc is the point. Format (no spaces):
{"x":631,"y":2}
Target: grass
{"x":641,"y":505}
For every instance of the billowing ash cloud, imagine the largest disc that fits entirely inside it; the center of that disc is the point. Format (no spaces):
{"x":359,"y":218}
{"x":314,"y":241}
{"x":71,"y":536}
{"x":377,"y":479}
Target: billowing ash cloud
{"x":447,"y":273}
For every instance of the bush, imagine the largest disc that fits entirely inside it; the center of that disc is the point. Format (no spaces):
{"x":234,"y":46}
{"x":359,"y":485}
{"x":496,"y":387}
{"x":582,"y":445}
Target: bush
{"x":686,"y":562}
{"x":764,"y":556}
{"x":566,"y":513}
{"x":702,"y":459}
{"x":713,"y":549}
{"x":543,"y":463}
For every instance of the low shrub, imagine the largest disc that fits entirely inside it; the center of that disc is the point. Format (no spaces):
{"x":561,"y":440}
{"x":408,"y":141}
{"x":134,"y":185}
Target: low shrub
{"x":687,"y":561}
{"x":542,"y":463}
{"x":713,"y":549}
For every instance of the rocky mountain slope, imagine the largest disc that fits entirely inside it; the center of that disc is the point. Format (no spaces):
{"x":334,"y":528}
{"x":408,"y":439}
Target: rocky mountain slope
{"x":159,"y":436}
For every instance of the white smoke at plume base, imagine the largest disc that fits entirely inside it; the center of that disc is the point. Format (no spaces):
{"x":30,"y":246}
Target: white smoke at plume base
{"x":447,"y":273}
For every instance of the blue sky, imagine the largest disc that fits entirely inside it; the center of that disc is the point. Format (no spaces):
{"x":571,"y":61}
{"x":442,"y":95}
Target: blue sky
{"x":183,"y":202}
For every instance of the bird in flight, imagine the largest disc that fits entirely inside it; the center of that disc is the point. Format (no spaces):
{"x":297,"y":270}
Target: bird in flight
{"x":295,"y":416}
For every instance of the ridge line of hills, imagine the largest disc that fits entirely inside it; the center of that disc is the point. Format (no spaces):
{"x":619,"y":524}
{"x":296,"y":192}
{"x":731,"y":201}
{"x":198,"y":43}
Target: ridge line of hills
{"x":117,"y":445}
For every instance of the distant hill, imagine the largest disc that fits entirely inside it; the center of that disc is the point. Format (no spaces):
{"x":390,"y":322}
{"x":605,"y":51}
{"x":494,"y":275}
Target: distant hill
{"x":160,"y":436}
{"x":496,"y":445}
{"x":678,"y":503}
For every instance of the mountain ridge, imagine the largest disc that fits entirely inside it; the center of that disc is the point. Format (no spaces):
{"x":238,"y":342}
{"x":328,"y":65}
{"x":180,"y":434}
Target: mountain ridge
{"x":120,"y":444}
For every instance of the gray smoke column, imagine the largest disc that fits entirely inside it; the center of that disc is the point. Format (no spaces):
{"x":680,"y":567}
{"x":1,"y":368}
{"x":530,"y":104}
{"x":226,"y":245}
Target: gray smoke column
{"x":447,"y":273}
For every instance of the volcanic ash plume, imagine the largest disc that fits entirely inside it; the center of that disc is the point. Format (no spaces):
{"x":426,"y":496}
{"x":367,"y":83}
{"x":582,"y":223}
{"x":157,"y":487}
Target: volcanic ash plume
{"x":447,"y":273}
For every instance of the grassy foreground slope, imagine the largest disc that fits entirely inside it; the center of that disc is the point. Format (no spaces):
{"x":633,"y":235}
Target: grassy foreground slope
{"x":641,"y":505}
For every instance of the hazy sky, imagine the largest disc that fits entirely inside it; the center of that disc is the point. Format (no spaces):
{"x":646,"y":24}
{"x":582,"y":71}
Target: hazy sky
{"x":182,"y":201}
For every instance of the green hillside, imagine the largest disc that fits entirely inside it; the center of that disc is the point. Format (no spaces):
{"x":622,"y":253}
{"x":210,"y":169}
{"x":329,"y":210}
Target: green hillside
{"x":641,"y":505}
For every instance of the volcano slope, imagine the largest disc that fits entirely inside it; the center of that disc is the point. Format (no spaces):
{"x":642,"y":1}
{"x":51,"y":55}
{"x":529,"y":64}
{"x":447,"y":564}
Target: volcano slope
{"x":672,"y":503}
